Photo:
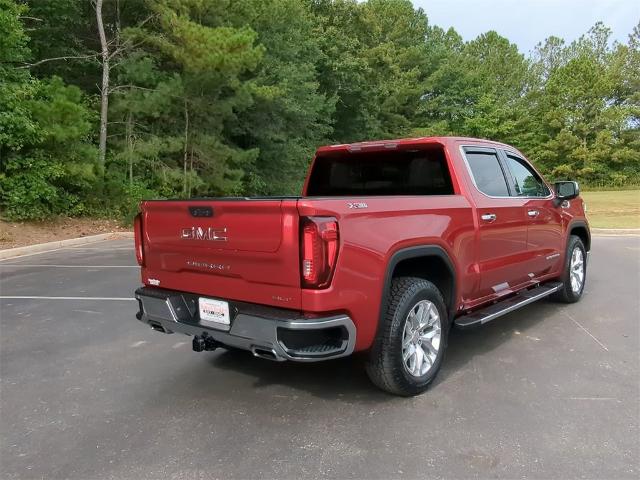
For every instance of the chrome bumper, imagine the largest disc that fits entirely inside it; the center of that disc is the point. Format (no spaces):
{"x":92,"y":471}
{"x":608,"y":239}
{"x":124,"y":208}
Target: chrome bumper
{"x":267,"y":332}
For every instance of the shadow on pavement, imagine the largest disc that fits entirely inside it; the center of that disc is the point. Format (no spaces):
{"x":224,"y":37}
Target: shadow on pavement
{"x":464,"y":345}
{"x":344,"y":377}
{"x":347,"y":377}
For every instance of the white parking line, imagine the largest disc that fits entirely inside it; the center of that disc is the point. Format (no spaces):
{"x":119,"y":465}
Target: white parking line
{"x":25,"y":297}
{"x":67,"y":266}
{"x":585,"y":331}
{"x":595,"y":398}
{"x":100,"y":249}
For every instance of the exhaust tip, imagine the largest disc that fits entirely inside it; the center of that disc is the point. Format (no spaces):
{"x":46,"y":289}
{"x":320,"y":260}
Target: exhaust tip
{"x":266,"y":353}
{"x":157,"y":328}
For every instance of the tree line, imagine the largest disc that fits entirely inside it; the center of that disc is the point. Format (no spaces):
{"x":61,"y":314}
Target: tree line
{"x":105,"y":102}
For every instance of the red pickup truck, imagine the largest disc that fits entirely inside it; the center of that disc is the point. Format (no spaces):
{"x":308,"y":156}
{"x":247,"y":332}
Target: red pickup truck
{"x":390,"y":244}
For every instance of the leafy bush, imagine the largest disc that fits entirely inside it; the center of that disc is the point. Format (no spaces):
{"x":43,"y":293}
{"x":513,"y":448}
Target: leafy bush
{"x":52,"y":171}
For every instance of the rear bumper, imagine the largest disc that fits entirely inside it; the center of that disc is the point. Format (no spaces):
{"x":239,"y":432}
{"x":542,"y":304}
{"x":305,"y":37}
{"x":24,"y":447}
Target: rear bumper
{"x":267,"y":332}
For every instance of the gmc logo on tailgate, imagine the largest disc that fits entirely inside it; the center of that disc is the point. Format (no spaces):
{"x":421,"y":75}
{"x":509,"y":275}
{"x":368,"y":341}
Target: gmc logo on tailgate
{"x":200,"y":233}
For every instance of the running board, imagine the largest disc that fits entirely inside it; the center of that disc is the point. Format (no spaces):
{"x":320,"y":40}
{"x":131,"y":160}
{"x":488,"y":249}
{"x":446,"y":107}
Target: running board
{"x":480,"y":317}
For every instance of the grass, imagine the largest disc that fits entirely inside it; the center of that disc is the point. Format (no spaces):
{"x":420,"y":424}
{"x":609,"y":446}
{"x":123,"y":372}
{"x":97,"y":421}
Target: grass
{"x":613,"y":209}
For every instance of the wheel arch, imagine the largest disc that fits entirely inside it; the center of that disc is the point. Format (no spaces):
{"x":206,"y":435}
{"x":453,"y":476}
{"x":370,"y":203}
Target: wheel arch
{"x":580,"y":229}
{"x":430,"y":262}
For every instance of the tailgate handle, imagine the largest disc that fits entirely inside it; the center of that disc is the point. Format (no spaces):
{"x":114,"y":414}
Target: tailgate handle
{"x":201,"y":211}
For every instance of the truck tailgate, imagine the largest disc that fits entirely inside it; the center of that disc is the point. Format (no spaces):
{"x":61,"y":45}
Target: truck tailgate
{"x":240,"y":249}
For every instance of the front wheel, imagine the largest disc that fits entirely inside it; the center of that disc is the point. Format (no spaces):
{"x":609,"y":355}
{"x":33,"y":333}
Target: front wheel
{"x":411,"y":340}
{"x":575,"y":272}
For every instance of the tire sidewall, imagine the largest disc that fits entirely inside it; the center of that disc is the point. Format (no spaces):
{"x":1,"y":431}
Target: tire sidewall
{"x":409,"y":300}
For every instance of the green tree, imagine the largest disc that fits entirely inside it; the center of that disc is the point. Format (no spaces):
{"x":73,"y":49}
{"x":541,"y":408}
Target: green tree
{"x":476,"y":89}
{"x":53,"y":171}
{"x":289,"y":116}
{"x":220,"y":97}
{"x":205,"y":66}
{"x":374,"y":61}
{"x":16,"y":85}
{"x":46,"y":162}
{"x":583,"y":110}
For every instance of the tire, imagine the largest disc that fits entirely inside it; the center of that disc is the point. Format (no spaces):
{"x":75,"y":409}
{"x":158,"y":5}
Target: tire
{"x":408,"y":301}
{"x":568,"y":292}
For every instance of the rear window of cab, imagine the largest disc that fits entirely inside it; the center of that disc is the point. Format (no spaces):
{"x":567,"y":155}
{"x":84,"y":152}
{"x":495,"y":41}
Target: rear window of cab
{"x":380,"y":173}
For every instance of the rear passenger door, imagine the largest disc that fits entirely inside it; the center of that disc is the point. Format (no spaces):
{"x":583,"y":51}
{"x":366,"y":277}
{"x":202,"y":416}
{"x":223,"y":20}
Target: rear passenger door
{"x":502,"y":222}
{"x":544,"y":218}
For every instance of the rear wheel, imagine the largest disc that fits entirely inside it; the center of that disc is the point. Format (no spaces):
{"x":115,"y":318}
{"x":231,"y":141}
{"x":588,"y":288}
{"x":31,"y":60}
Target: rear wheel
{"x":411,"y":341}
{"x":575,"y":272}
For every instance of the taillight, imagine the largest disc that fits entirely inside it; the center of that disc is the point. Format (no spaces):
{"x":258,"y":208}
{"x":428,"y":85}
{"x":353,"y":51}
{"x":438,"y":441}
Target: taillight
{"x":137,"y":234}
{"x":319,"y":243}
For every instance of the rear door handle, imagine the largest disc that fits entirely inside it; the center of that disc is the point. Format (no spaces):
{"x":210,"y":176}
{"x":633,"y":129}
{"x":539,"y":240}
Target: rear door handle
{"x":489,"y":217}
{"x":533,"y":213}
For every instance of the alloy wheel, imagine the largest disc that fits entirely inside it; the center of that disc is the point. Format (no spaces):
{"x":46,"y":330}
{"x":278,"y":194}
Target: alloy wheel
{"x":421,"y":338}
{"x":576,"y":270}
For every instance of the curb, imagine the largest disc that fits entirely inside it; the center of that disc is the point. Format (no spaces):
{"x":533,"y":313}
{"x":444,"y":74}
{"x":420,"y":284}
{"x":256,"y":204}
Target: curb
{"x":45,"y":247}
{"x":616,"y":232}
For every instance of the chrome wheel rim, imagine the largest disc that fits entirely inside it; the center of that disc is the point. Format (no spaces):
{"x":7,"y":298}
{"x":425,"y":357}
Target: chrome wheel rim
{"x":576,"y":270}
{"x":421,"y":338}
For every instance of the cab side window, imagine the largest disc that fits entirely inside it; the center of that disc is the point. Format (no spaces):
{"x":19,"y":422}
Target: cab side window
{"x":487,"y":173}
{"x":527,"y":183}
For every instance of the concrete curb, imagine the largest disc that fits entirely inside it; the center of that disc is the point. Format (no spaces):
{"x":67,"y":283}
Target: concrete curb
{"x":616,"y":232}
{"x":45,"y":247}
{"x":70,"y":242}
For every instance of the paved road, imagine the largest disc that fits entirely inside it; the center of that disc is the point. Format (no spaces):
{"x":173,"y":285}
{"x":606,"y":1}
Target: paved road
{"x":87,"y":392}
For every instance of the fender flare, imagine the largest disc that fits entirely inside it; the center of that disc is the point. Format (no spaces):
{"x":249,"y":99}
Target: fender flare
{"x":579,"y":223}
{"x":418,"y":252}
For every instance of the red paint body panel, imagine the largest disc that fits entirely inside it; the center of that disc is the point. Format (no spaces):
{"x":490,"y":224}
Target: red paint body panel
{"x":259,"y":261}
{"x":369,"y":238}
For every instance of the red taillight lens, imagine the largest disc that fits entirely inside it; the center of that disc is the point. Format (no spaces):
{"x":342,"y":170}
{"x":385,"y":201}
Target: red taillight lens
{"x":319,"y":243}
{"x":137,"y":234}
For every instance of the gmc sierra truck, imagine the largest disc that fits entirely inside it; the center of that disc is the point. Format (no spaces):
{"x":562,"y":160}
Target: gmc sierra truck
{"x":390,"y":245}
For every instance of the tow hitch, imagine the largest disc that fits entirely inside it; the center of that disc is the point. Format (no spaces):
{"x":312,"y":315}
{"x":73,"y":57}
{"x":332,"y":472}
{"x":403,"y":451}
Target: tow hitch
{"x":204,"y":343}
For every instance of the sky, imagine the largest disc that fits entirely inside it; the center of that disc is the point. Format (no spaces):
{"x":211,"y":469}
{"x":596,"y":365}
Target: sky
{"x":527,"y":22}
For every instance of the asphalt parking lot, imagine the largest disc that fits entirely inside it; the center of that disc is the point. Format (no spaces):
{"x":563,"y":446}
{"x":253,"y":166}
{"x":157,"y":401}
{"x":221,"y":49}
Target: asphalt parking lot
{"x":87,"y":392}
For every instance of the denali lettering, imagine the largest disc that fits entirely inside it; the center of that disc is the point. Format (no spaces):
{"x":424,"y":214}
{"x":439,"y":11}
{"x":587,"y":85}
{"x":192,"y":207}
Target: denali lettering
{"x":199,"y":233}
{"x":280,"y":299}
{"x":210,"y":266}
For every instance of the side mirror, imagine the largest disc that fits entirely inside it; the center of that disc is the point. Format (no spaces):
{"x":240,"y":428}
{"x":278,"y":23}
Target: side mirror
{"x":567,"y":190}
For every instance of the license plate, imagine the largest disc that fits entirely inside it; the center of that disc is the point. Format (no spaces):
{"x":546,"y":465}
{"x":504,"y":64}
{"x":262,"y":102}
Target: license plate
{"x":214,"y":313}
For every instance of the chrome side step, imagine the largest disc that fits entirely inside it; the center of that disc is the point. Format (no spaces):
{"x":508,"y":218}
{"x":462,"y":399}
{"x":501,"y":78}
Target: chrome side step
{"x":486,"y":314}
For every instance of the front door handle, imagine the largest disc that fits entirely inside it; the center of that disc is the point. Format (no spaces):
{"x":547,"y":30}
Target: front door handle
{"x":489,"y":217}
{"x":533,"y":213}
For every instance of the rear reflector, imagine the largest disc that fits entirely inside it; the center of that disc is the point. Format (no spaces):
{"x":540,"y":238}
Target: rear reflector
{"x":319,"y":244}
{"x":137,"y":233}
